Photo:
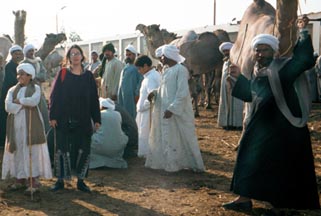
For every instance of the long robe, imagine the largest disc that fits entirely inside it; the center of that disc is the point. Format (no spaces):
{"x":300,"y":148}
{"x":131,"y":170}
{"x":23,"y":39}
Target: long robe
{"x":230,"y":110}
{"x":173,"y":142}
{"x":110,"y":79}
{"x":129,"y":85}
{"x":108,"y":142}
{"x":150,"y":82}
{"x":275,"y":160}
{"x":129,"y":127}
{"x":17,"y":164}
{"x":1,"y":78}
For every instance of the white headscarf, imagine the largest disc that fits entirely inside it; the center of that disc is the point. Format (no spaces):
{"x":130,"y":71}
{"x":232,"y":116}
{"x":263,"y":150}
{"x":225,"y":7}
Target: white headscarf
{"x":172,"y":52}
{"x":225,"y":46}
{"x":27,"y":48}
{"x":28,"y":68}
{"x":131,"y":48}
{"x":107,"y":103}
{"x":15,"y":48}
{"x":268,"y":39}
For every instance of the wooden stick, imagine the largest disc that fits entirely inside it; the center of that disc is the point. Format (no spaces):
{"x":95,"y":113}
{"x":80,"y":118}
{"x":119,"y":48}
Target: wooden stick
{"x":150,"y":113}
{"x":30,"y":155}
{"x":55,"y":143}
{"x":228,"y":144}
{"x":241,"y":48}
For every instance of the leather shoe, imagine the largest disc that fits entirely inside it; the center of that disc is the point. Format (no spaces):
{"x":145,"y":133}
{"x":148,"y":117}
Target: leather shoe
{"x":59,"y":185}
{"x":83,"y":187}
{"x":238,"y":205}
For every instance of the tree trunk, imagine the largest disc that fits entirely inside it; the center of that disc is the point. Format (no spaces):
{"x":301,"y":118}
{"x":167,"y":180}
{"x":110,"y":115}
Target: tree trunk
{"x":19,"y":27}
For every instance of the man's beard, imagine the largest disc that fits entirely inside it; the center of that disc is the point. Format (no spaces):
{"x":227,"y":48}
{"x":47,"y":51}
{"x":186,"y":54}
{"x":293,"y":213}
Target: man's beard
{"x":265,"y":61}
{"x":128,"y":61}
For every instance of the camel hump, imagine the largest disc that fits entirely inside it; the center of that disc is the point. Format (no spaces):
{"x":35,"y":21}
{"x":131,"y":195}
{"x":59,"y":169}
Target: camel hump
{"x":188,"y":37}
{"x":209,"y":38}
{"x":260,"y":3}
{"x":222,"y":35}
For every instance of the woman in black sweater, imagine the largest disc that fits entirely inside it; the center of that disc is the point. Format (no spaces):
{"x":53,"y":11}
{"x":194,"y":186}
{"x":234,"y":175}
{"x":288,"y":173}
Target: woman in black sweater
{"x":74,"y":105}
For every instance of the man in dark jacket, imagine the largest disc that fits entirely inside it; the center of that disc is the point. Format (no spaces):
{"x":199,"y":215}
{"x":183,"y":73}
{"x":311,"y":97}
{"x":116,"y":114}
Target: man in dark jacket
{"x":275,"y":161}
{"x":10,"y":79}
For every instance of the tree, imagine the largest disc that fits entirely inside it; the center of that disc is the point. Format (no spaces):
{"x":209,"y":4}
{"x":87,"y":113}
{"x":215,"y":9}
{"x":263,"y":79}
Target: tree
{"x":74,"y":37}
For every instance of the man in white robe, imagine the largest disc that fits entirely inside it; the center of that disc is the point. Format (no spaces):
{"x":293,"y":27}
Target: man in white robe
{"x":173,"y":142}
{"x":109,"y":141}
{"x":110,"y":72}
{"x":230,"y":110}
{"x":150,"y":82}
{"x":18,"y":149}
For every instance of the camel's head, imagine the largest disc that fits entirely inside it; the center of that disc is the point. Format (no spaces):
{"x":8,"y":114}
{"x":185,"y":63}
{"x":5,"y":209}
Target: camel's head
{"x":155,"y":37}
{"x":140,"y":27}
{"x":56,"y":38}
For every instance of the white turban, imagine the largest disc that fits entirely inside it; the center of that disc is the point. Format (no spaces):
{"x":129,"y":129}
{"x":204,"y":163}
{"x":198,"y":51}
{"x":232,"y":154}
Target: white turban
{"x":159,"y":52}
{"x":267,"y":39}
{"x":172,"y":52}
{"x":107,"y":103}
{"x":131,"y":48}
{"x":225,"y":46}
{"x":28,"y":68}
{"x":27,"y":48}
{"x":15,"y":48}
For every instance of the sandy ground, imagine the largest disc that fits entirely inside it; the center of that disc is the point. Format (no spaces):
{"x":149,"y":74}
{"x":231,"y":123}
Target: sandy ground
{"x":141,"y":191}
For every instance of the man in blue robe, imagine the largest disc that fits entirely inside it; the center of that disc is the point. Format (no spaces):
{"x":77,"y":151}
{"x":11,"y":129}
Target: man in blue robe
{"x":129,"y":83}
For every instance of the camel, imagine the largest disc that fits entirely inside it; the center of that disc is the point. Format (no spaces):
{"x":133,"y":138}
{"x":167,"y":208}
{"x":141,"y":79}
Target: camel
{"x":5,"y":45}
{"x":201,"y":53}
{"x":53,"y":64}
{"x":261,"y":17}
{"x":49,"y":44}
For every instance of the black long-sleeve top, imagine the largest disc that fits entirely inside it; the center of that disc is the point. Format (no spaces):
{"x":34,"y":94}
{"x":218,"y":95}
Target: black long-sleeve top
{"x":75,"y":98}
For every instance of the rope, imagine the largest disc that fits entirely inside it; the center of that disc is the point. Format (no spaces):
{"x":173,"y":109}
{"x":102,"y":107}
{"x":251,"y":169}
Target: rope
{"x":245,"y":31}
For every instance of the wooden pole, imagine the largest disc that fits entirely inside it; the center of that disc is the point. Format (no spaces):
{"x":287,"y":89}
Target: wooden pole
{"x":150,"y":113}
{"x":214,"y":14}
{"x":30,"y":154}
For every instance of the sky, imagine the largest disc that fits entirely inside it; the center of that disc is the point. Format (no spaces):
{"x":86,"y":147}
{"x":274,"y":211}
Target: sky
{"x":103,"y":18}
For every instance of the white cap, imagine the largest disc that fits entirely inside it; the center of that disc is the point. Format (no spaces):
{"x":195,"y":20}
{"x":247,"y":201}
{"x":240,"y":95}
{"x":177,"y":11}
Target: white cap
{"x":131,"y":48}
{"x":225,"y":46}
{"x":27,"y":48}
{"x":28,"y":68}
{"x":15,"y":48}
{"x":267,"y":39}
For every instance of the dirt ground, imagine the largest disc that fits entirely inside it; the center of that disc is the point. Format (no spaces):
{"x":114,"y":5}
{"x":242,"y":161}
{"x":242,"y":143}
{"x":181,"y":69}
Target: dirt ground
{"x":141,"y":191}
